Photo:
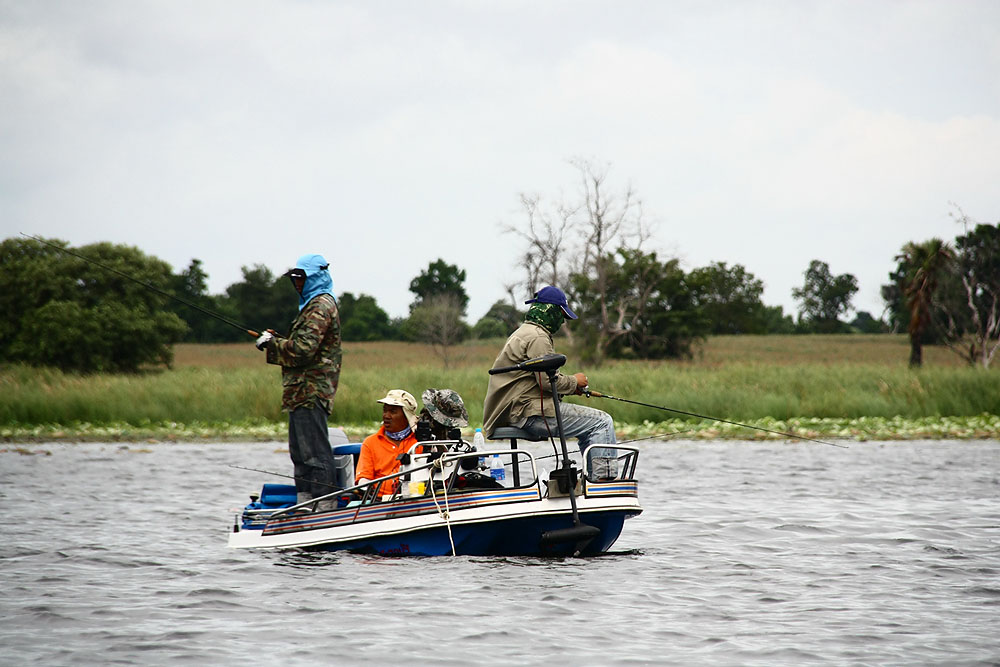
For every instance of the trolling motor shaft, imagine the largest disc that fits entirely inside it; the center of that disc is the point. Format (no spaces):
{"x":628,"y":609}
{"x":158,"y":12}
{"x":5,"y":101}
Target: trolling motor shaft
{"x":579,"y":532}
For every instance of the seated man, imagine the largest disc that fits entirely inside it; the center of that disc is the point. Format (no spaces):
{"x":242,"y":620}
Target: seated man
{"x":380,"y":450}
{"x":446,"y":412}
{"x":524,"y":399}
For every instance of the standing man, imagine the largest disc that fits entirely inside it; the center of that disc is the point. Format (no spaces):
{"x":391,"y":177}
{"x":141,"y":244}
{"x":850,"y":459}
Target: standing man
{"x":310,"y":370}
{"x":523,"y":399}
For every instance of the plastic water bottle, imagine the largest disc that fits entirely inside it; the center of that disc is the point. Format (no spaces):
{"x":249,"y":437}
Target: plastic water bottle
{"x":479,"y":442}
{"x":496,"y":468}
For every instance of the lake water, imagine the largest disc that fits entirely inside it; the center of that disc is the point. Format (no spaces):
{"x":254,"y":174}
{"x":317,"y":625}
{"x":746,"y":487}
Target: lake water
{"x":747,"y":553}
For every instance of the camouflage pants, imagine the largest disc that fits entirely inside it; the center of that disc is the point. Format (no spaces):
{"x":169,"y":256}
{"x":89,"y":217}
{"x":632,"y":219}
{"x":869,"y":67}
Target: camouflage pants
{"x":309,"y":447}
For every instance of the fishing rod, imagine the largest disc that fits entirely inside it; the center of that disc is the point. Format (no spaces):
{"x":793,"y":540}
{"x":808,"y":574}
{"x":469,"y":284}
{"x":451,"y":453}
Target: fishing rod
{"x":278,"y":474}
{"x":589,"y":392}
{"x":625,"y":442}
{"x":148,"y":286}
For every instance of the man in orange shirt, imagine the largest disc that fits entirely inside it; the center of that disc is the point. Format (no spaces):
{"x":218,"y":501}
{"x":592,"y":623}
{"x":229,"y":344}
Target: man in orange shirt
{"x":394,"y":437}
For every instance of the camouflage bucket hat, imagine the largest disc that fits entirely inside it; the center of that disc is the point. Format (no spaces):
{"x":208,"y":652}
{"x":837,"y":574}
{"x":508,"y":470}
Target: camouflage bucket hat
{"x":446,"y":407}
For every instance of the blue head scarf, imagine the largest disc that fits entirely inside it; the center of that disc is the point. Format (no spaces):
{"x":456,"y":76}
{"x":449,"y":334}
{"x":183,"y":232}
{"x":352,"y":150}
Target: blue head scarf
{"x":318,"y":280}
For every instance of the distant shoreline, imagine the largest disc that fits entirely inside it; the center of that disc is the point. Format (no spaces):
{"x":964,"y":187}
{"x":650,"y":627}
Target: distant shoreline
{"x":979,"y":427}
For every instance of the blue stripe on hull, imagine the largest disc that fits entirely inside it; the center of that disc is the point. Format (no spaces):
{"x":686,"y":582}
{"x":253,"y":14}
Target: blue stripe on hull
{"x":508,"y":537}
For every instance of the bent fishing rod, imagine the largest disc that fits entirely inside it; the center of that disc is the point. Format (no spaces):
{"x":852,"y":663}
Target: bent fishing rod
{"x":148,"y":286}
{"x":596,"y":394}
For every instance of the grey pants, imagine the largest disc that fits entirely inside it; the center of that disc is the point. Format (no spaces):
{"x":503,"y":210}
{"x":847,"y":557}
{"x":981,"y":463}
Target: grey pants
{"x":588,"y":425}
{"x":309,"y":447}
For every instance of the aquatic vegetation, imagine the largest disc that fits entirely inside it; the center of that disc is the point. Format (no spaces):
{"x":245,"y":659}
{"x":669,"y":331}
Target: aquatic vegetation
{"x":226,"y":392}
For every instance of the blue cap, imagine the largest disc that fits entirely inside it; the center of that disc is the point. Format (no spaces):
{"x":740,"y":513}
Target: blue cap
{"x":554,"y":295}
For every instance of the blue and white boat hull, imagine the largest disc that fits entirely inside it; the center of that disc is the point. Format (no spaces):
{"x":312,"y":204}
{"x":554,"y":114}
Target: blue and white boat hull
{"x":502,"y":522}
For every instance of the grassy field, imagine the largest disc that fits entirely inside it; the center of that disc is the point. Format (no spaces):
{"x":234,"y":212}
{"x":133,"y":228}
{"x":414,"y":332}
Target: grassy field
{"x":837,"y":386}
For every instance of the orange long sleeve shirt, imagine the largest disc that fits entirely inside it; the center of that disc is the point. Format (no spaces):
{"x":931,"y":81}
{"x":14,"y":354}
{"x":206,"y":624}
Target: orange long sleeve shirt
{"x":378,"y":456}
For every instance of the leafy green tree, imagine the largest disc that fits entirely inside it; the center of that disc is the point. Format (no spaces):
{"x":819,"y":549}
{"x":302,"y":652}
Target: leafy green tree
{"x":440,"y":278}
{"x":191,"y":285}
{"x":654,"y":315}
{"x":361,"y":319}
{"x":499,"y":321}
{"x":730,"y":298}
{"x":70,"y":313}
{"x":776,"y":322}
{"x":488,"y":327}
{"x":824,"y":297}
{"x":262,"y":301}
{"x":865,"y":323}
{"x":31,"y":275}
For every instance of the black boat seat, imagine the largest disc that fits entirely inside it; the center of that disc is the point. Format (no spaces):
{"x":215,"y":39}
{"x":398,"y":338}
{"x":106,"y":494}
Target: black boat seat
{"x":515,"y":434}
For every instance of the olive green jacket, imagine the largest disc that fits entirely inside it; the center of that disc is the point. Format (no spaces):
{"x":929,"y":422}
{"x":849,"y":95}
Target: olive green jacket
{"x":513,"y":397}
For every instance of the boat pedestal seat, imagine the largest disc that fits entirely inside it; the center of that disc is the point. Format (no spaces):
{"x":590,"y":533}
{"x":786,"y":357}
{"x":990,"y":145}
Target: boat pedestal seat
{"x":514,"y":434}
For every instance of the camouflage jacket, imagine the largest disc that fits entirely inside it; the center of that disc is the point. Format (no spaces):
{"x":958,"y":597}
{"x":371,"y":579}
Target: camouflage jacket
{"x":310,"y":357}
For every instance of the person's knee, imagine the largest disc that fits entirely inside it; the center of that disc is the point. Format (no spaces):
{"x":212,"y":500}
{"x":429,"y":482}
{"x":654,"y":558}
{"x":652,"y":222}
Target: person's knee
{"x":608,"y":426}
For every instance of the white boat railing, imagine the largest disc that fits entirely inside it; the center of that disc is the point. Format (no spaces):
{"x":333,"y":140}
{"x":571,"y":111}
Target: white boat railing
{"x":433,"y":471}
{"x":623,"y":466}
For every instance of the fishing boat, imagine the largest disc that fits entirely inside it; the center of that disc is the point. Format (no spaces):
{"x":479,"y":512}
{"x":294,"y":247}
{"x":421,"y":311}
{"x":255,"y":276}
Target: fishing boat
{"x":445,"y":501}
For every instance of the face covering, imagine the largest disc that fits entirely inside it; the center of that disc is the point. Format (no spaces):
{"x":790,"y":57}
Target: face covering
{"x":399,"y":435}
{"x":548,"y":315}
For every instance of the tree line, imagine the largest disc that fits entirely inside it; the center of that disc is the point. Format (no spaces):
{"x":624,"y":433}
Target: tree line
{"x":632,"y":303}
{"x":77,"y":311}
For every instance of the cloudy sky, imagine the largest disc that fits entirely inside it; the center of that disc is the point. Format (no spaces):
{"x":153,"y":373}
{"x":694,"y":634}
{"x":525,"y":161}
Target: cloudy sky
{"x":387,"y":134}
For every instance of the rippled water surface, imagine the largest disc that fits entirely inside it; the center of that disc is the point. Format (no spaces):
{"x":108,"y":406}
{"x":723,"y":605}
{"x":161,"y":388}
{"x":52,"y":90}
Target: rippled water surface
{"x":747,"y":553}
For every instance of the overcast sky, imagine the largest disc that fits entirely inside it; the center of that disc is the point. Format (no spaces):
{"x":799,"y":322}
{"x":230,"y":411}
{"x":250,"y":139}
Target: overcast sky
{"x":387,"y":134}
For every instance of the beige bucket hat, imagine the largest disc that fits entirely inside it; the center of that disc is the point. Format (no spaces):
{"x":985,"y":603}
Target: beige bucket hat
{"x":405,"y":400}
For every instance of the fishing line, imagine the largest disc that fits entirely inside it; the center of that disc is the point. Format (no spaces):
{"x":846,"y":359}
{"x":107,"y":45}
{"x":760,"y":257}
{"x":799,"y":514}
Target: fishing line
{"x":598,"y":394}
{"x":625,"y":442}
{"x":147,"y":286}
{"x":657,"y":435}
{"x":300,"y":479}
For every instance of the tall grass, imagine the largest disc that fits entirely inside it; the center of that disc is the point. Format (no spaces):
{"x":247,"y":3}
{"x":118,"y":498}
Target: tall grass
{"x":738,"y":378}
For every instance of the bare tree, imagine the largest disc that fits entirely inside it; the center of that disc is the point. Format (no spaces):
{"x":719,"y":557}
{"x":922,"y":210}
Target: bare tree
{"x":438,"y":322}
{"x":546,"y":232}
{"x":978,"y":259}
{"x":573,"y":244}
{"x":611,"y":221}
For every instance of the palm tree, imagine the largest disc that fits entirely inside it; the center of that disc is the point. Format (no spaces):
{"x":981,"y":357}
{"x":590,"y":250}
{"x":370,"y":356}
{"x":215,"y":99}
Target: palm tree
{"x":924,"y":263}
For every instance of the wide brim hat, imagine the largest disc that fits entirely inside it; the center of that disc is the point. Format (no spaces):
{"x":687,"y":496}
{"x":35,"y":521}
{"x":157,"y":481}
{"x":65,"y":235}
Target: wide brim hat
{"x":445,"y":406}
{"x":553,"y":295}
{"x":405,"y":400}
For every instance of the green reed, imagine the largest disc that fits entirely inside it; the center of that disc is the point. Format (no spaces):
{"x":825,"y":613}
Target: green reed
{"x":740,"y":392}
